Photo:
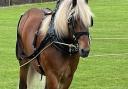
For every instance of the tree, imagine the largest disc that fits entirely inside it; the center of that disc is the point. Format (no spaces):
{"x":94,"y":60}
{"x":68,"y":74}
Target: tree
{"x":31,"y":1}
{"x":3,"y":2}
{"x":10,"y":2}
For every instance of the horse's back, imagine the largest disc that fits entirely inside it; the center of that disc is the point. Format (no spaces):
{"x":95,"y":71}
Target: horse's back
{"x":28,"y":26}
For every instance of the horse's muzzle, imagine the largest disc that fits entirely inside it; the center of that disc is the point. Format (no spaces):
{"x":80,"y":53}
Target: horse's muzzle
{"x":84,"y":52}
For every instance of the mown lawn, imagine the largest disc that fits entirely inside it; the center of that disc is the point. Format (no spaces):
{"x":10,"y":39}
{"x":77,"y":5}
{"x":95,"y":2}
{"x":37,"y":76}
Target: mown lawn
{"x":101,"y":70}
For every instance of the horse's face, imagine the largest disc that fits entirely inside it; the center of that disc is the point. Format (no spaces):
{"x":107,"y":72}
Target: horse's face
{"x":82,"y":22}
{"x":82,"y":34}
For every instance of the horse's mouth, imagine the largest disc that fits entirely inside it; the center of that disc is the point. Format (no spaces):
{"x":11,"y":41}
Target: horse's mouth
{"x":84,"y":53}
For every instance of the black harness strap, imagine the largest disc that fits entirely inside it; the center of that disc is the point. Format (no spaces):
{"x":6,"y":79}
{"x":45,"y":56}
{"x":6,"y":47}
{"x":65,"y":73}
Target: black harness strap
{"x":41,"y":69}
{"x":38,"y":57}
{"x":78,"y":34}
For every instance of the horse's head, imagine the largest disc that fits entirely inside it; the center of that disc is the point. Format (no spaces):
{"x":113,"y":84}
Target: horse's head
{"x":73,"y":19}
{"x":82,"y":36}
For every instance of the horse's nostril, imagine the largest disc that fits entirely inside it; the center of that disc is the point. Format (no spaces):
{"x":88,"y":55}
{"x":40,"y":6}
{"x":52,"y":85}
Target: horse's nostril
{"x":82,"y":50}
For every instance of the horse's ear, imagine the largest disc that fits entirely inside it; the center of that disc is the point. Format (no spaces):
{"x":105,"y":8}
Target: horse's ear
{"x":74,"y":2}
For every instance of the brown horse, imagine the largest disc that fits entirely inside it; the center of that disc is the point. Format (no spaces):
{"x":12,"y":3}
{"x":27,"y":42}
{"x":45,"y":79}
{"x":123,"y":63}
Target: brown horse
{"x":51,"y":43}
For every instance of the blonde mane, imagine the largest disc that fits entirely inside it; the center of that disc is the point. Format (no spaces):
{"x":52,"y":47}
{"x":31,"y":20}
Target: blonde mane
{"x":64,"y":12}
{"x":45,"y":25}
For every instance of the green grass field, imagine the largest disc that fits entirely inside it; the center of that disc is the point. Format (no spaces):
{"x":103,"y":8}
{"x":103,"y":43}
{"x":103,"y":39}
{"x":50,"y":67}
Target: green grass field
{"x":107,"y":65}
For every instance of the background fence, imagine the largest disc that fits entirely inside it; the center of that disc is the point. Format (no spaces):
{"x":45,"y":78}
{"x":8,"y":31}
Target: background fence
{"x":15,"y":2}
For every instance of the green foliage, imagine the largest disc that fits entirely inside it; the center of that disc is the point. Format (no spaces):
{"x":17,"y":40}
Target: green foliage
{"x":94,"y":72}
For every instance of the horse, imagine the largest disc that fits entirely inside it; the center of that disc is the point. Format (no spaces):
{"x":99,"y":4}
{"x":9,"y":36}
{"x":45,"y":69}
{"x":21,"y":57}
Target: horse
{"x":52,"y":42}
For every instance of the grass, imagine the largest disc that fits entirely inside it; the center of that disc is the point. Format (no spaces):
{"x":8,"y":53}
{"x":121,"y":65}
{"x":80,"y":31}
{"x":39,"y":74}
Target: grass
{"x":94,"y":72}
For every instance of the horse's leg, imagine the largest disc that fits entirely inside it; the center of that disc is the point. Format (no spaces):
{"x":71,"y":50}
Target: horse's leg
{"x":68,"y":74}
{"x":61,"y":81}
{"x":23,"y":77}
{"x":51,"y":81}
{"x":67,"y":82}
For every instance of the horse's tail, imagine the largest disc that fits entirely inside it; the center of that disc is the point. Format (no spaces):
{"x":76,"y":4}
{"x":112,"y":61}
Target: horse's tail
{"x":34,"y":79}
{"x":19,"y":49}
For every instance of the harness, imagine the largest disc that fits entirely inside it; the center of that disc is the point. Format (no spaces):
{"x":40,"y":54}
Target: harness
{"x":60,"y":44}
